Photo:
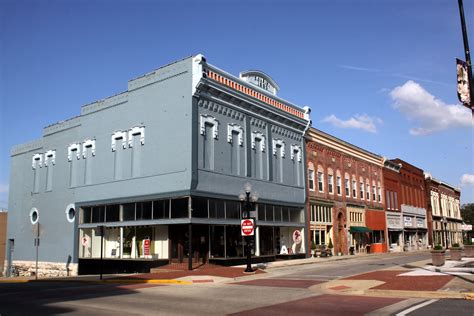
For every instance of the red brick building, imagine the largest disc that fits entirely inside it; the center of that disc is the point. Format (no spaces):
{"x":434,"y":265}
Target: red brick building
{"x":345,"y":202}
{"x":393,"y":211}
{"x":413,"y":206}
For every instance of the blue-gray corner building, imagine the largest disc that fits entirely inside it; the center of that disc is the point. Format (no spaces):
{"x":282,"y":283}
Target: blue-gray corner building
{"x":160,"y":166}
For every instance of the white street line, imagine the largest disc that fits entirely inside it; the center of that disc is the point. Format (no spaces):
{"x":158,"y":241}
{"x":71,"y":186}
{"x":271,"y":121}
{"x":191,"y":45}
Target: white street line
{"x":414,"y":308}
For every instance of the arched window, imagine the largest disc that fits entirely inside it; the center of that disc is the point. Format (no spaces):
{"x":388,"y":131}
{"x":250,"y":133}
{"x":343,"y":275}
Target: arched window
{"x":320,"y":178}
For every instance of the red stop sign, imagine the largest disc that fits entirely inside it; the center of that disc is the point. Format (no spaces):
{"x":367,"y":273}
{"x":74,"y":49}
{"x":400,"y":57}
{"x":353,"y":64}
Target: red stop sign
{"x":247,"y":226}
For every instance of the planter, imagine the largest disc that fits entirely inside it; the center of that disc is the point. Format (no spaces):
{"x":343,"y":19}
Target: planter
{"x":437,"y":257}
{"x":469,"y":251}
{"x":456,"y":253}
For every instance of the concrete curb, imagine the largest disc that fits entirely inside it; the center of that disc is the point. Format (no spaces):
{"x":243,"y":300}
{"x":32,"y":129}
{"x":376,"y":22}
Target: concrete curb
{"x":109,"y":281}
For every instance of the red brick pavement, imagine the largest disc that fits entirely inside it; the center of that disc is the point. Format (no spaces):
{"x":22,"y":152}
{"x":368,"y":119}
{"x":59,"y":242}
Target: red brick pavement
{"x":393,"y":281}
{"x":299,"y":284}
{"x":179,"y":272}
{"x":324,"y":305}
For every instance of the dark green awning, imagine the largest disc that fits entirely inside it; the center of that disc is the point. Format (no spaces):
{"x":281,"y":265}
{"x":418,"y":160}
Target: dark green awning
{"x":360,"y":229}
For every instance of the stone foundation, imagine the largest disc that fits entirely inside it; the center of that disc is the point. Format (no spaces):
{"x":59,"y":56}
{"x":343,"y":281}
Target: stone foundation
{"x":45,"y":269}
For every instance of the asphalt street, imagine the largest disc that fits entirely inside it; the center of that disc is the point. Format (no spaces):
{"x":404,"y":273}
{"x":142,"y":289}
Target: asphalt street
{"x":288,"y":290}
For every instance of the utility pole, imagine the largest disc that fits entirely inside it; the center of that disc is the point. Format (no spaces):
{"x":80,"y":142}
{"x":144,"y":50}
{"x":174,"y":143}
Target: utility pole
{"x":467,"y":53}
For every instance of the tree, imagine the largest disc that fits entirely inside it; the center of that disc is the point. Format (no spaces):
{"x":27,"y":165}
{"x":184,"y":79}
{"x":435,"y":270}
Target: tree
{"x":467,"y":213}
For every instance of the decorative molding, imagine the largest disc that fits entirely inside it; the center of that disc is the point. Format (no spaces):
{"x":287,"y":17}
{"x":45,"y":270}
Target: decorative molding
{"x":285,"y":133}
{"x":134,"y":131}
{"x":258,"y":123}
{"x":211,"y":120}
{"x":117,"y":136}
{"x":30,"y":146}
{"x":221,"y":109}
{"x":297,"y":149}
{"x":50,"y":155}
{"x":62,"y":125}
{"x":37,"y":161}
{"x":258,"y":135}
{"x":88,"y":143}
{"x":281,"y":143}
{"x":73,"y":147}
{"x":235,"y":128}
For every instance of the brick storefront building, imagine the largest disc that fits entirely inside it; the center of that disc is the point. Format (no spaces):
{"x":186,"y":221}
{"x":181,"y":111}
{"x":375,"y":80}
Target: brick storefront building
{"x":412,"y":205}
{"x":444,"y":215}
{"x":3,"y":235}
{"x":391,"y":183}
{"x":344,"y":195}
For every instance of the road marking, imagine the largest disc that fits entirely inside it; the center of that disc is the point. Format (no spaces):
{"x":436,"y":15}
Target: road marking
{"x":414,"y":308}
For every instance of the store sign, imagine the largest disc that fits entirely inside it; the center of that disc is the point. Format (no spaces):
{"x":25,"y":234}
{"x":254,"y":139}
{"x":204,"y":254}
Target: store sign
{"x":394,"y":221}
{"x":420,"y":222}
{"x":248,"y":227}
{"x":466,"y":227}
{"x":146,"y":247}
{"x":85,"y":241}
{"x":408,"y":221}
{"x":297,"y":237}
{"x":462,"y":72}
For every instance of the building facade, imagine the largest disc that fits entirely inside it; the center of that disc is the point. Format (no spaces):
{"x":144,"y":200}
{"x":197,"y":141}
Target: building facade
{"x":345,"y":202}
{"x":3,"y":240}
{"x":154,"y":174}
{"x":412,"y":206}
{"x":391,"y":180}
{"x":444,"y":213}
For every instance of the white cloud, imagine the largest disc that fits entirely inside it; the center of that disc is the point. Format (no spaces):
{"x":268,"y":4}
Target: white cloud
{"x":467,"y":179}
{"x":363,"y":122}
{"x":431,"y":114}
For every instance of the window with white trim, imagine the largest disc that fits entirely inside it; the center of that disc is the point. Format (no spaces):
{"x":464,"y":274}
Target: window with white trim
{"x":73,"y":155}
{"x":330,"y":183}
{"x":119,"y":144}
{"x":379,"y":191}
{"x":367,"y":191}
{"x":258,"y":149}
{"x":320,"y":182}
{"x":347,"y":185}
{"x":361,"y":188}
{"x":339,"y":184}
{"x":311,"y":179}
{"x":374,"y":192}
{"x":236,"y":141}
{"x":354,"y":188}
{"x":296,"y":157}
{"x":88,"y":151}
{"x":49,"y":162}
{"x":278,"y":156}
{"x":36,"y":164}
{"x":210,"y":131}
{"x":136,"y":140}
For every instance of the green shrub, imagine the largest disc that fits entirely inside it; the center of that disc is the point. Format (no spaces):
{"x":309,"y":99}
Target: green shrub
{"x":456,"y":245}
{"x":438,"y":247}
{"x":330,"y":245}
{"x":313,"y":246}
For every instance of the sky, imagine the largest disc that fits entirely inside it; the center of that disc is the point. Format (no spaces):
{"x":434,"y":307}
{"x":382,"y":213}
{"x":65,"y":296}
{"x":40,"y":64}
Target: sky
{"x":378,"y":74}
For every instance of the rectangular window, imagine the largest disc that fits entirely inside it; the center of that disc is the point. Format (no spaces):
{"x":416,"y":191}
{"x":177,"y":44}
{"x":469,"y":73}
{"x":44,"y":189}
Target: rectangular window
{"x":348,"y":190}
{"x":354,"y":189}
{"x":361,"y":187}
{"x":208,"y":147}
{"x":278,"y":163}
{"x":73,"y":164}
{"x":49,"y":177}
{"x":87,"y":164}
{"x":387,"y":199}
{"x":311,"y":179}
{"x":379,"y":190}
{"x":119,"y":156}
{"x":258,"y":154}
{"x":330,"y":184}
{"x":338,"y":184}
{"x":320,"y":182}
{"x":136,"y":155}
{"x":374,"y":193}
{"x":395,"y":200}
{"x":367,"y":193}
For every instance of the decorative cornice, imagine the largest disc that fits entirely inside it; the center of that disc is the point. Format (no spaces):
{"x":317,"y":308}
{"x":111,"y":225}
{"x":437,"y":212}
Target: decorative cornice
{"x":286,"y":133}
{"x":258,"y":123}
{"x":221,"y":109}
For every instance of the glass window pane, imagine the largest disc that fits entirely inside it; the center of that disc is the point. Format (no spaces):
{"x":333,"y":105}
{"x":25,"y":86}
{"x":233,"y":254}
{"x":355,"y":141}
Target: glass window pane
{"x":261,"y":212}
{"x":179,"y":208}
{"x":269,"y":213}
{"x":232,"y":209}
{"x":128,"y":212}
{"x":98,"y":213}
{"x":144,"y":210}
{"x":200,"y":207}
{"x":86,"y":215}
{"x":158,"y":209}
{"x":295,"y":215}
{"x":112,"y":213}
{"x":217,"y":241}
{"x":285,"y":215}
{"x":277,"y":213}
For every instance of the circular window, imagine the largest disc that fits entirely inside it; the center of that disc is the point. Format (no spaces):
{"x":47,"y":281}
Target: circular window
{"x":71,"y":213}
{"x":34,"y":216}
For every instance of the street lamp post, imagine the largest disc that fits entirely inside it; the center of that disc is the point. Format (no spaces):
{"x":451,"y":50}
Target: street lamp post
{"x":248,"y":201}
